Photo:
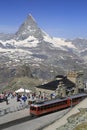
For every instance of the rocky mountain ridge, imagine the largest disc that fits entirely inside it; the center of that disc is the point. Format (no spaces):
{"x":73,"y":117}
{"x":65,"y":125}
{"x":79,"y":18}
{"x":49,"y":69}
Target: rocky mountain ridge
{"x":47,"y":56}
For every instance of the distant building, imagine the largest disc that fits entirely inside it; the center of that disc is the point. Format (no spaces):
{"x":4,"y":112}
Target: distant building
{"x":77,"y":78}
{"x":63,"y":86}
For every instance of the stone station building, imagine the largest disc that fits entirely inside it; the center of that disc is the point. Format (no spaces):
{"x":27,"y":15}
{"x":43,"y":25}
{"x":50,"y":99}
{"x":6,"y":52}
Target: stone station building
{"x":63,"y":86}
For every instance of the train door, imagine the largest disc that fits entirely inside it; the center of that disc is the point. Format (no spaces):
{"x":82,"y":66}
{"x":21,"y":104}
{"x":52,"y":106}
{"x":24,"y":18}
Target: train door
{"x":68,"y":102}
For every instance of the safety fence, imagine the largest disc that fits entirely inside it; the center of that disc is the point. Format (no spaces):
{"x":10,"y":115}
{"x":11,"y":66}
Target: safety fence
{"x":4,"y":111}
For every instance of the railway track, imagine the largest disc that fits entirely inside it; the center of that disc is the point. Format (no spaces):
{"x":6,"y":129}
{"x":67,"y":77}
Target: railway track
{"x":16,"y":122}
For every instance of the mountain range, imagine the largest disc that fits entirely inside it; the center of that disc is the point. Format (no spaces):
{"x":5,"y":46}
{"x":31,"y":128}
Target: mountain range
{"x":46,"y":56}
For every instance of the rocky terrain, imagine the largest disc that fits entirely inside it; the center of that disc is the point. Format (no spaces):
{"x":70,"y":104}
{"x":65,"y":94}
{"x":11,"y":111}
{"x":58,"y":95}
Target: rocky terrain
{"x":77,"y":121}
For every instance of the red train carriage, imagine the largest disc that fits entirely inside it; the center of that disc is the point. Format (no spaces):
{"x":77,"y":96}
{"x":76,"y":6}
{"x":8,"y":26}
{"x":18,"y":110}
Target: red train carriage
{"x":77,"y":98}
{"x":41,"y":108}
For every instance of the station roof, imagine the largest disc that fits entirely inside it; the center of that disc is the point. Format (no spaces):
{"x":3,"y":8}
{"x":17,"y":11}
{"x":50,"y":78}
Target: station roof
{"x":54,"y":84}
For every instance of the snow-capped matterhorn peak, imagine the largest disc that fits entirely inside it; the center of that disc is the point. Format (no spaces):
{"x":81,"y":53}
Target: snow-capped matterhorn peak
{"x":29,"y":28}
{"x":29,"y":20}
{"x":30,"y":35}
{"x":31,"y":17}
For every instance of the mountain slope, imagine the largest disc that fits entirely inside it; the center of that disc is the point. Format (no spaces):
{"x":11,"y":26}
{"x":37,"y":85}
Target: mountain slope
{"x":47,"y":56}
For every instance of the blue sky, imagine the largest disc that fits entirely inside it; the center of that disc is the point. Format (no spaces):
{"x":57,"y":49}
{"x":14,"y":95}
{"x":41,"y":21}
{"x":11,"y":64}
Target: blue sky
{"x":59,"y":18}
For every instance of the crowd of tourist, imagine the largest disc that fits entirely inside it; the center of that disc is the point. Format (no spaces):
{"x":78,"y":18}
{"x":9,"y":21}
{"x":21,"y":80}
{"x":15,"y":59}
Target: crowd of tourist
{"x":23,"y":97}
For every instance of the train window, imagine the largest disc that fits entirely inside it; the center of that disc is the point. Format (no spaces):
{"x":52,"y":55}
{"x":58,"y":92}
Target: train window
{"x":61,"y":103}
{"x":45,"y":107}
{"x":38,"y":108}
{"x":74,"y":100}
{"x":77,"y":99}
{"x":51,"y":105}
{"x":56,"y":104}
{"x":48,"y":106}
{"x":42,"y":107}
{"x":65,"y":102}
{"x":33,"y":108}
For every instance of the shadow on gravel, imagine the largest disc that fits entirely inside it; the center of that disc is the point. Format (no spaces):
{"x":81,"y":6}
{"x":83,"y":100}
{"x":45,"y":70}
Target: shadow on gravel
{"x":15,"y":122}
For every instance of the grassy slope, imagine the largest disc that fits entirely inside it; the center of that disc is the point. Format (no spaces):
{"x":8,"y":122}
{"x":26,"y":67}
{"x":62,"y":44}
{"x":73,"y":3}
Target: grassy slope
{"x":23,"y":82}
{"x":82,"y":126}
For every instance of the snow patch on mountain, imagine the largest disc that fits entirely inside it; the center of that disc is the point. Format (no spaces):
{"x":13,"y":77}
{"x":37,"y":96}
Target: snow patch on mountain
{"x":62,"y":42}
{"x":14,"y":51}
{"x":58,"y":42}
{"x":28,"y":42}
